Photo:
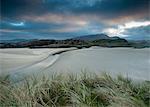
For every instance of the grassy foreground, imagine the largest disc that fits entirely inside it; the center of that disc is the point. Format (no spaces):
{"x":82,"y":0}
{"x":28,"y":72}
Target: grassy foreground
{"x":88,"y":90}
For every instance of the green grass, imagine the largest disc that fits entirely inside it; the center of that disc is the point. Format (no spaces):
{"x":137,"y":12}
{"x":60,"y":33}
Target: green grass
{"x":88,"y":90}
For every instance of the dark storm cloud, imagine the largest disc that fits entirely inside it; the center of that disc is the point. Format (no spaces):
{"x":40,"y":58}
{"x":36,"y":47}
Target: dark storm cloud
{"x":115,"y":7}
{"x":105,"y":8}
{"x":30,"y":26}
{"x":16,"y":8}
{"x":46,"y":18}
{"x":139,"y":33}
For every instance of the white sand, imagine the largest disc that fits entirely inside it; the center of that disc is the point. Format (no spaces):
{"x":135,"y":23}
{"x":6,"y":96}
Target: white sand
{"x":21,"y":58}
{"x":130,"y":62}
{"x":134,"y":63}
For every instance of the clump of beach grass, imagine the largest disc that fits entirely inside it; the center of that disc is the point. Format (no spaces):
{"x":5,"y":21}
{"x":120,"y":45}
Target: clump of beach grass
{"x":86,"y":90}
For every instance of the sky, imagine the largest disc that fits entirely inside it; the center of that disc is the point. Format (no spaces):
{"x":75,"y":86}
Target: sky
{"x":62,"y":19}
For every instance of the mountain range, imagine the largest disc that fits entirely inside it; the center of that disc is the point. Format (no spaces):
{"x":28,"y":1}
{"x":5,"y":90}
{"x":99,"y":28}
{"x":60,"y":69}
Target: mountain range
{"x":81,"y":41}
{"x":94,"y":37}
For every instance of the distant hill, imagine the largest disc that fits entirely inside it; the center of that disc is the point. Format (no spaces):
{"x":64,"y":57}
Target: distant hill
{"x":95,"y":37}
{"x":140,"y":43}
{"x":79,"y":42}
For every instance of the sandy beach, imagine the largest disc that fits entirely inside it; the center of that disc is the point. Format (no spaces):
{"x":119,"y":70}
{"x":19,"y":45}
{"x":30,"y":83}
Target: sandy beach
{"x":12,"y":60}
{"x":128,"y":62}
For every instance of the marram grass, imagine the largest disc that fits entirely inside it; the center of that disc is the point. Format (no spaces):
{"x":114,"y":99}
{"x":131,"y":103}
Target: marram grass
{"x":74,"y":91}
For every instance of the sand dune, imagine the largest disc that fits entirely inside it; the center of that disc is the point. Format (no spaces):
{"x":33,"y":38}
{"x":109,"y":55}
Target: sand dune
{"x":17,"y":60}
{"x":130,"y":62}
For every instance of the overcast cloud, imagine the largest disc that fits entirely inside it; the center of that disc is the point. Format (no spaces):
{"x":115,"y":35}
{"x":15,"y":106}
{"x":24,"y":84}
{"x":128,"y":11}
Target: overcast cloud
{"x":60,"y":19}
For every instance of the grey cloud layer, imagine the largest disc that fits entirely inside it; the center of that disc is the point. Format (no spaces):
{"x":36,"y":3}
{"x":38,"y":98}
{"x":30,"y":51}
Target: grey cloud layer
{"x":77,"y":17}
{"x":105,"y":8}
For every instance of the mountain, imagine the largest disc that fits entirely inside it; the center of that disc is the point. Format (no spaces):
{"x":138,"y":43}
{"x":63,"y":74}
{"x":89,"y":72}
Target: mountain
{"x":140,"y":43}
{"x":94,"y":37}
{"x":79,"y":42}
{"x":83,"y":41}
